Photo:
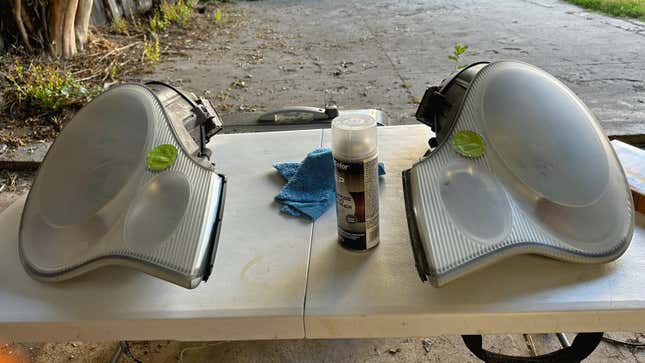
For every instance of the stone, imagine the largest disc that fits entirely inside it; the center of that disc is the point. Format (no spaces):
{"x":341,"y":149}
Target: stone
{"x":24,"y":157}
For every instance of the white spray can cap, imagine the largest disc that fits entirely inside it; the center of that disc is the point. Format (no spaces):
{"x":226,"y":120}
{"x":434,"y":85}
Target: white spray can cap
{"x":353,"y":137}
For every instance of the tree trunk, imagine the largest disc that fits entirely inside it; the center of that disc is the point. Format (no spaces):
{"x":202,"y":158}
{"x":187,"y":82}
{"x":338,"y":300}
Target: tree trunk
{"x":69,"y":35}
{"x":55,"y":25}
{"x":82,"y":22}
{"x":60,"y":26}
{"x":17,"y":15}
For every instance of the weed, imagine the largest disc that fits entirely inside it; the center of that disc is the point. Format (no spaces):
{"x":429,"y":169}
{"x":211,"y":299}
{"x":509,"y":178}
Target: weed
{"x":114,"y":71}
{"x":151,"y":51}
{"x":136,"y":24}
{"x":158,"y":23}
{"x":217,"y":19}
{"x":406,"y":84}
{"x":177,"y":13}
{"x":119,"y":26}
{"x":46,"y":87}
{"x":458,"y":51}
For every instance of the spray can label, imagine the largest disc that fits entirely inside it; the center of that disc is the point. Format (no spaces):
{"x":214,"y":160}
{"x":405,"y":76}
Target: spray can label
{"x":357,"y":203}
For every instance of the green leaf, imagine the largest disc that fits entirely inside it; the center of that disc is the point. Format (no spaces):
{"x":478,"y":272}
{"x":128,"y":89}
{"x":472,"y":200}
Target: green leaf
{"x":460,"y":49}
{"x":469,"y":144}
{"x":161,"y":157}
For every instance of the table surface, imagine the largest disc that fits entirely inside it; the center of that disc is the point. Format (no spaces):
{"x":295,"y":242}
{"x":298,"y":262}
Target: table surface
{"x":379,"y":294}
{"x":280,"y":277}
{"x":256,"y":290}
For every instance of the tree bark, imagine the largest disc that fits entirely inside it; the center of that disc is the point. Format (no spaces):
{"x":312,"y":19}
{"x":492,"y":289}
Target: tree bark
{"x":55,"y":25}
{"x":82,"y":22}
{"x":69,"y":35}
{"x":17,"y":15}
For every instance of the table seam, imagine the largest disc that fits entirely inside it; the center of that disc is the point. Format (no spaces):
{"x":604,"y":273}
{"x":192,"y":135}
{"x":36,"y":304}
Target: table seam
{"x":311,"y":241}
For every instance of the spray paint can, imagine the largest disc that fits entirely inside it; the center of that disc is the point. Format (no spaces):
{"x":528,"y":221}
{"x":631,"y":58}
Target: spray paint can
{"x":355,"y":152}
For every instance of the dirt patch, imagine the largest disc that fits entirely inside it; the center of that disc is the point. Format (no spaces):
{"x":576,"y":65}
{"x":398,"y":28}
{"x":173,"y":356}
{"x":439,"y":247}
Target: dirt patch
{"x":112,"y":56}
{"x":82,"y":352}
{"x":15,"y":182}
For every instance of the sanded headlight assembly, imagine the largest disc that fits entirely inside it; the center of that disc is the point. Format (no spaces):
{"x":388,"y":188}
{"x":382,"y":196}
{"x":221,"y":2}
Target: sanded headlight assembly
{"x":548,"y":181}
{"x":97,"y":199}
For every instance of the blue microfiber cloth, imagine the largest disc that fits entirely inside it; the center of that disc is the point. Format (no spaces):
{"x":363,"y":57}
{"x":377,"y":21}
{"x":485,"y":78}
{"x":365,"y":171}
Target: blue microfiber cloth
{"x":310,"y":188}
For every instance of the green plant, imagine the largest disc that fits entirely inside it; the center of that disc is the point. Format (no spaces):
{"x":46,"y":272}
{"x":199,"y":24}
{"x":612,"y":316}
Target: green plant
{"x":114,"y":71}
{"x":151,"y":51}
{"x":158,"y":23}
{"x":217,"y":18}
{"x":136,"y":23}
{"x":47,"y":88}
{"x":457,"y":52}
{"x":119,"y":26}
{"x":177,"y":13}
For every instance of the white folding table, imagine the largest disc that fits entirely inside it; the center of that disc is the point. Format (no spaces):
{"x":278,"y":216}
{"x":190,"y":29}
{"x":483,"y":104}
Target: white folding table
{"x":280,"y":277}
{"x":256,"y":290}
{"x":379,"y":294}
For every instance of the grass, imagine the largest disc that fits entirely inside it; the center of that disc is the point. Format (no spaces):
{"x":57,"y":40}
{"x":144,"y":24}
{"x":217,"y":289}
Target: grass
{"x":623,"y":8}
{"x":46,"y":87}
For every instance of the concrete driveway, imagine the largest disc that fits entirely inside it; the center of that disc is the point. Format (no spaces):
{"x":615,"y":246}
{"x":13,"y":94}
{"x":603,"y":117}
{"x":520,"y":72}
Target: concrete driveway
{"x":384,"y":53}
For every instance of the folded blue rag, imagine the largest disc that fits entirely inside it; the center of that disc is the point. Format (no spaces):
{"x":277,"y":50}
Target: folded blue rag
{"x":310,"y":188}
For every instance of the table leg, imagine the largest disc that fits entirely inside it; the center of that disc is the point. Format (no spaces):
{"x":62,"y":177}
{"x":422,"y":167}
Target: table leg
{"x":117,"y":353}
{"x":531,"y":344}
{"x":122,"y":348}
{"x":563,"y":340}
